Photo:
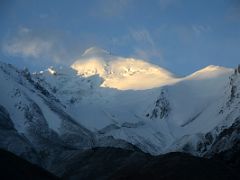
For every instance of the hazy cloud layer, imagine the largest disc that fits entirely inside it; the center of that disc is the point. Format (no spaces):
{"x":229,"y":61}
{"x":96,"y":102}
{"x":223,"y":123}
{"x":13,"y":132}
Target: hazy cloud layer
{"x":27,"y":45}
{"x":36,"y":46}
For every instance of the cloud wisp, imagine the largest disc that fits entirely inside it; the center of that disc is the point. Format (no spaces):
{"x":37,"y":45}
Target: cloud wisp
{"x":164,"y":4}
{"x":29,"y":44}
{"x":233,"y":12}
{"x":110,"y":9}
{"x":143,"y":44}
{"x":146,"y":47}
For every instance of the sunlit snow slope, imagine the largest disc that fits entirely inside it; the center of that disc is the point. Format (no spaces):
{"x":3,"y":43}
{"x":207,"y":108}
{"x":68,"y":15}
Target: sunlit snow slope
{"x":121,"y":73}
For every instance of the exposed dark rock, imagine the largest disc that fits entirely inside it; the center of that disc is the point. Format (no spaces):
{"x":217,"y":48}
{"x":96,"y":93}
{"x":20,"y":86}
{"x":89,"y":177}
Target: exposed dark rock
{"x":161,"y":108}
{"x":5,"y":121}
{"x":112,"y":163}
{"x":14,"y":167}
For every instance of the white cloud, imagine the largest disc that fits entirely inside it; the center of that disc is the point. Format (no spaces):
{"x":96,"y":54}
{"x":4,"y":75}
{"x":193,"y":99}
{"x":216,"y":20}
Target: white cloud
{"x":200,"y":29}
{"x":33,"y":47}
{"x":142,"y":36}
{"x":43,"y":16}
{"x":29,"y":44}
{"x":23,"y":30}
{"x":164,"y":4}
{"x":110,"y":8}
{"x":233,"y":11}
{"x":143,"y":44}
{"x":147,"y":54}
{"x":146,"y":47}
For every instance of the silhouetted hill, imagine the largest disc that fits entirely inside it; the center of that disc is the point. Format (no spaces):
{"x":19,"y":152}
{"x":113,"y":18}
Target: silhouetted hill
{"x":14,"y":167}
{"x":112,"y":163}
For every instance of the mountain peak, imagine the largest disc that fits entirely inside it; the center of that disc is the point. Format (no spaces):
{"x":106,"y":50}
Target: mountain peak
{"x":210,"y":71}
{"x":212,"y":68}
{"x":121,"y":73}
{"x":95,"y":51}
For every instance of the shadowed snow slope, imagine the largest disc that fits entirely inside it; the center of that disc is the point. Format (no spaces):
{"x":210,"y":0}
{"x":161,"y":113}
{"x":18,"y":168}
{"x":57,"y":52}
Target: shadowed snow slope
{"x":175,"y":115}
{"x":121,"y":73}
{"x":152,"y":119}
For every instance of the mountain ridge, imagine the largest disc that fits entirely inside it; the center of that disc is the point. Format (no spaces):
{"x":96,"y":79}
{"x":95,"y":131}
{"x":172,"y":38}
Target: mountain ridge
{"x":56,"y":114}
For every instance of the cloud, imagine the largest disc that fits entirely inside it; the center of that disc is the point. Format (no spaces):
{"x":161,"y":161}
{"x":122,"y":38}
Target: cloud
{"x":147,"y":54}
{"x":183,"y":34}
{"x":200,"y":29}
{"x":145,"y":47}
{"x":29,"y":44}
{"x":44,"y":16}
{"x":142,"y":43}
{"x":233,"y":12}
{"x":28,"y":47}
{"x":110,"y":8}
{"x":165,"y":4}
{"x":142,"y":36}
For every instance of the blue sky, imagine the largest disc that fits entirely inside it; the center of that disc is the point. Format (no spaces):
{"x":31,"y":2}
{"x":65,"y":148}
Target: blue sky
{"x":180,"y":35}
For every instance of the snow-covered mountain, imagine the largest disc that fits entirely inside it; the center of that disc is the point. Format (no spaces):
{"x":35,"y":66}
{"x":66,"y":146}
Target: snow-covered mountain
{"x":121,"y":73}
{"x":105,"y":100}
{"x":154,"y":119}
{"x":38,"y":120}
{"x":35,"y":124}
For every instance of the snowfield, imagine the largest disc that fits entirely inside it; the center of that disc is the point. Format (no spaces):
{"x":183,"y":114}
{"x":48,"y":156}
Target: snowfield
{"x":138,"y":102}
{"x":105,"y":100}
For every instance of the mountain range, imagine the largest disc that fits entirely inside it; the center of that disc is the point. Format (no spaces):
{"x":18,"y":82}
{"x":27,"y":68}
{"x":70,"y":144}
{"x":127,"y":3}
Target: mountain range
{"x":68,"y":120}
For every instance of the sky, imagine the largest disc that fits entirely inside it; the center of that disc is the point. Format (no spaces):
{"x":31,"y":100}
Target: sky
{"x":180,"y":35}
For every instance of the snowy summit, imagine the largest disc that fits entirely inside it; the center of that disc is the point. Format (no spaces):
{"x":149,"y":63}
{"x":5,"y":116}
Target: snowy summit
{"x":121,"y":73}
